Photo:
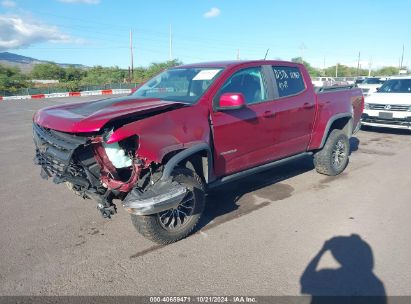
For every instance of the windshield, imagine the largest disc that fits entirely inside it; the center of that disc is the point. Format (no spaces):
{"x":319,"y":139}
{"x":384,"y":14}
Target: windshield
{"x":396,"y":86}
{"x":372,"y":81}
{"x":181,"y":84}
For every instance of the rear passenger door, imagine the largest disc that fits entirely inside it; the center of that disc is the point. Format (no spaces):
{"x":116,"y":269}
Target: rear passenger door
{"x":294,"y":108}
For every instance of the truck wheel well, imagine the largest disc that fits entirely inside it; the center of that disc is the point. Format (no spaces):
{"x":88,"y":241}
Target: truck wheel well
{"x":344,"y":124}
{"x":197,"y":162}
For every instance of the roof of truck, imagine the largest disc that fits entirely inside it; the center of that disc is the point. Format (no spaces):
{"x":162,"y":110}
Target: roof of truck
{"x":228,"y":63}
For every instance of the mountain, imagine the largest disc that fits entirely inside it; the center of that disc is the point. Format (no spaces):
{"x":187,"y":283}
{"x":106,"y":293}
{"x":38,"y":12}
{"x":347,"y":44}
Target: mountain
{"x":26,"y":64}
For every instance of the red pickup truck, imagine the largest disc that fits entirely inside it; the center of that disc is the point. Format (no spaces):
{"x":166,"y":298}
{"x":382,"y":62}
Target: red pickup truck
{"x":189,"y":129}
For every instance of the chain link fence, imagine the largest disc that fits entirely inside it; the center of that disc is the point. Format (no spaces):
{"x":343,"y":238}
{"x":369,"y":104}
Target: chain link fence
{"x":62,"y":89}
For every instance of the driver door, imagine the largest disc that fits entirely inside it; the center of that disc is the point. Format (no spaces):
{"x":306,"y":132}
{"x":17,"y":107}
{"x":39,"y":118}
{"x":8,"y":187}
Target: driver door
{"x":240,"y":136}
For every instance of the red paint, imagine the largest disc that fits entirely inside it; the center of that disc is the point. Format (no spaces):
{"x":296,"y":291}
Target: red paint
{"x":1,"y":97}
{"x":106,"y":92}
{"x":241,"y":138}
{"x":108,"y":171}
{"x":75,"y":118}
{"x":74,"y":94}
{"x":38,"y":96}
{"x":229,"y":100}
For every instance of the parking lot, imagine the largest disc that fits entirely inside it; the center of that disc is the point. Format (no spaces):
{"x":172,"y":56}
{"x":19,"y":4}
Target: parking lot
{"x":257,"y":237}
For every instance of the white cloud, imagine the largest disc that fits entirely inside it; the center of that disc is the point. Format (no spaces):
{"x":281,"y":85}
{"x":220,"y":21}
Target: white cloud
{"x":81,"y":1}
{"x":8,"y":3}
{"x":16,"y":32}
{"x":213,"y":12}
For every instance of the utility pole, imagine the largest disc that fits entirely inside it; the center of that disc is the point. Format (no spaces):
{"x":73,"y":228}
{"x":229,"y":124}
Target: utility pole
{"x":369,"y":67}
{"x":238,"y":54}
{"x":170,"y":51}
{"x":324,"y":66}
{"x":336,"y":70}
{"x":131,"y":54}
{"x":402,"y":57}
{"x":358,"y":63}
{"x":302,"y":48}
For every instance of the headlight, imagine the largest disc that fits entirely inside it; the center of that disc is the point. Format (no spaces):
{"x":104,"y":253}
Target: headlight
{"x":366,"y":106}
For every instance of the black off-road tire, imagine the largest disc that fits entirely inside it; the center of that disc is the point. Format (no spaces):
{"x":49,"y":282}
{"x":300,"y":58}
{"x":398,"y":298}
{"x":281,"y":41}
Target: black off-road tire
{"x":325,"y":160}
{"x":151,"y":227}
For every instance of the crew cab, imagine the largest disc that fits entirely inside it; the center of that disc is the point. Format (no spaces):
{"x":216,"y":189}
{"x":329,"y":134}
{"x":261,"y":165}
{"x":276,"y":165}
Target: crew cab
{"x":189,"y":129}
{"x":390,"y":106}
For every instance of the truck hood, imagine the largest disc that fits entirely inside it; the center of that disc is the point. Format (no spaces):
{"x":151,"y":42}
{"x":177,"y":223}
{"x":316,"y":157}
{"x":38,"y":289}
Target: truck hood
{"x":92,"y":116}
{"x":390,"y":98}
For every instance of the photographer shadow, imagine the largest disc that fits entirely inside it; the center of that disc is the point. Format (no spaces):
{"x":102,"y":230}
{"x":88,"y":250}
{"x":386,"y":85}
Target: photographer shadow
{"x":353,"y":282}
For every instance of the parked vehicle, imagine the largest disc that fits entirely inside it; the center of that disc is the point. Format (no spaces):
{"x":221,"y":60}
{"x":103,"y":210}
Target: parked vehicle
{"x":370,"y":85}
{"x":323,"y":82}
{"x":345,"y":80}
{"x":189,"y":129}
{"x":359,"y":80}
{"x":390,"y":106}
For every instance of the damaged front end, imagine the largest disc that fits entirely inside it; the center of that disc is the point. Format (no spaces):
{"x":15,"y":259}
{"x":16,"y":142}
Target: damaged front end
{"x":94,"y":169}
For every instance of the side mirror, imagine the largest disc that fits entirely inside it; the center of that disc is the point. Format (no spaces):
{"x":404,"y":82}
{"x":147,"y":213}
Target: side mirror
{"x":378,"y":89}
{"x":231,"y":101}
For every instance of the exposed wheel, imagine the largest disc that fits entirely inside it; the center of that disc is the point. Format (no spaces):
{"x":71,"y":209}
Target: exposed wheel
{"x":333,"y":157}
{"x":174,"y":224}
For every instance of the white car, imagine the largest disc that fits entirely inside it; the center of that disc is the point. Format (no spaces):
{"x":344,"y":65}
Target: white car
{"x":370,"y":85}
{"x":323,"y":81}
{"x":390,"y":106}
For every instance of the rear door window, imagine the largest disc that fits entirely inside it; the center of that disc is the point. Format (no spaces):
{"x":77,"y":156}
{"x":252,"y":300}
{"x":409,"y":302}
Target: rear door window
{"x":289,"y":80}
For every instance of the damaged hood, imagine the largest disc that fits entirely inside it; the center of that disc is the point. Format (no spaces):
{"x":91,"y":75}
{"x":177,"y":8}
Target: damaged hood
{"x":92,"y":116}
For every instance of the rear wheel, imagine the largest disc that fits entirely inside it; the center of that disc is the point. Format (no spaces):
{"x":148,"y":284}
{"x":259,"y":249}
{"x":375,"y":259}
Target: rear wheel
{"x":333,"y":157}
{"x":174,"y":224}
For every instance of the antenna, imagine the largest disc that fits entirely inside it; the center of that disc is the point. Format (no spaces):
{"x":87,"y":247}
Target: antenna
{"x":266,"y":53}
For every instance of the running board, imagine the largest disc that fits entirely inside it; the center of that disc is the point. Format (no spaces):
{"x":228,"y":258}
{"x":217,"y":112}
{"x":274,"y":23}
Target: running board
{"x":238,"y":175}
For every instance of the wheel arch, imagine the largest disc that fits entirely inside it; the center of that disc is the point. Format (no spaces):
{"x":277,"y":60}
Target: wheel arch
{"x":341,"y":121}
{"x":198,"y":158}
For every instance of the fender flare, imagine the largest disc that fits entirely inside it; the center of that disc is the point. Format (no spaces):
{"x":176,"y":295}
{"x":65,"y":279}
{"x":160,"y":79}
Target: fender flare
{"x":330,"y":122}
{"x":176,"y":159}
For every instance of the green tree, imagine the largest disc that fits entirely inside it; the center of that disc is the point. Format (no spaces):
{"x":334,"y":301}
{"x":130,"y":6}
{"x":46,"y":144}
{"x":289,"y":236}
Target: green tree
{"x":387,"y":71}
{"x":344,"y":71}
{"x":142,"y":74}
{"x":314,"y":72}
{"x":48,"y":71}
{"x":101,"y":75}
{"x":11,"y":79}
{"x":74,"y":74}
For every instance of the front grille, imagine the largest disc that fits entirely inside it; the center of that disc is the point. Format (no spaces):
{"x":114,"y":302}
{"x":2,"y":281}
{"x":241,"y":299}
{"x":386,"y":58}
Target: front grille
{"x":51,"y":165}
{"x":54,"y":151}
{"x":365,"y":90}
{"x":387,"y":107}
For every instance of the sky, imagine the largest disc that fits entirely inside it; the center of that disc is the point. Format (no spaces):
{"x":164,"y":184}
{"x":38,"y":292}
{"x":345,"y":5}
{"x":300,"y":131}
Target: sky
{"x":97,"y":32}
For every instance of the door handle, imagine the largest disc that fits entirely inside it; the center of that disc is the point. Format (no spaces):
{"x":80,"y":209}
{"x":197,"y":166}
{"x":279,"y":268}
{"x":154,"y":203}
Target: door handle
{"x":268,"y":114}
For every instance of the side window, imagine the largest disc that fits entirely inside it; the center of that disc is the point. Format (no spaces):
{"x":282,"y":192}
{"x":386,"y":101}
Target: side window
{"x":289,"y":80}
{"x":249,"y":82}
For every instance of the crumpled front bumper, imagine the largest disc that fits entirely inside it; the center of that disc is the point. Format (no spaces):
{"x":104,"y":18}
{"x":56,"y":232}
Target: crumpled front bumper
{"x":162,"y":196}
{"x":54,"y":151}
